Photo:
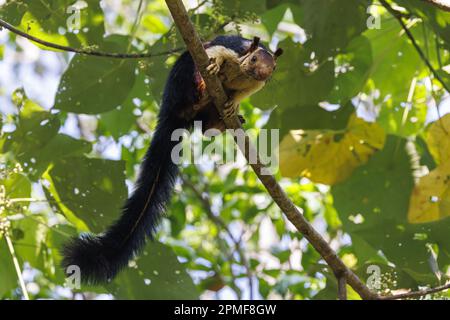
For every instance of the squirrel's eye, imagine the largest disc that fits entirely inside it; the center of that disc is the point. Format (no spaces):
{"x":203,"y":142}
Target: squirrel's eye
{"x":254,"y":58}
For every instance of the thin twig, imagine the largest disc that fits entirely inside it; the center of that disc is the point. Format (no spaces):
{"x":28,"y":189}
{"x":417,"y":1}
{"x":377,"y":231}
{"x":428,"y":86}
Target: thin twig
{"x":206,"y":203}
{"x":408,"y":33}
{"x":89,"y":52}
{"x":136,"y":23}
{"x":215,"y":89}
{"x":16,"y":265}
{"x":416,"y":294}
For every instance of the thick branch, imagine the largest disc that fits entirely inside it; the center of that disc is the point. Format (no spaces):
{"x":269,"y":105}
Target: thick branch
{"x":89,"y":52}
{"x":408,"y":33}
{"x":342,"y":288}
{"x":216,"y":91}
{"x":417,"y":294}
{"x":442,"y":4}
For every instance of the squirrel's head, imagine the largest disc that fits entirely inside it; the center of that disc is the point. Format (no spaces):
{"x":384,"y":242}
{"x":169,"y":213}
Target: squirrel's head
{"x":258,"y":62}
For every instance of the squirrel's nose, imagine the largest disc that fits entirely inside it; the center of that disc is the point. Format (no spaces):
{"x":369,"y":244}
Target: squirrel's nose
{"x":264,"y":73}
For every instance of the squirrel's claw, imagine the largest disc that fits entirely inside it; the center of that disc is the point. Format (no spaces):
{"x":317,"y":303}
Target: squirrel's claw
{"x":230,"y":109}
{"x":213,"y":67}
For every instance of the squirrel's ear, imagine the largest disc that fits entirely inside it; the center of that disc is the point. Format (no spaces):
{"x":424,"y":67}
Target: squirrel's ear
{"x":278,"y":53}
{"x":255,"y":44}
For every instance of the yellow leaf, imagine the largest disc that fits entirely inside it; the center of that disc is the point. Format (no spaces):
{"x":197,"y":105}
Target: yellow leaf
{"x":438,"y":139}
{"x":430,"y":199}
{"x":326,"y":156}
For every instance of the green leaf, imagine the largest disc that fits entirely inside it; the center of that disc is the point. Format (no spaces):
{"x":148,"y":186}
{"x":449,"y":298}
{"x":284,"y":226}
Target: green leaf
{"x":271,"y":18}
{"x":438,"y":19}
{"x":332,"y":24}
{"x":93,"y":85}
{"x":298,"y":80}
{"x":8,"y":276}
{"x":35,"y":127}
{"x":31,"y":143}
{"x":57,"y":20}
{"x":405,"y":118}
{"x":373,"y":205}
{"x":92,"y":189}
{"x":393,"y":55}
{"x":16,"y":185}
{"x":354,"y":70}
{"x":156,"y":274}
{"x":31,"y":248}
{"x":158,"y":68}
{"x":378,"y":189}
{"x":309,"y":118}
{"x":13,"y":11}
{"x":119,"y":121}
{"x":242,"y":7}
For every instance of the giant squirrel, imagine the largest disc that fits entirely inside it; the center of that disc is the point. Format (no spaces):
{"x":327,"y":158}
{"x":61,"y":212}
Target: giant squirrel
{"x":243,"y":66}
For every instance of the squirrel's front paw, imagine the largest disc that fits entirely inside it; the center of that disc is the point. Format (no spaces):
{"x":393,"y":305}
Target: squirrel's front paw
{"x":214,"y":67}
{"x":230,"y":109}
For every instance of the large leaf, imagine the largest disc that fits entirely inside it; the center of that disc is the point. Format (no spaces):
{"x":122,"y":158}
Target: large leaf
{"x":329,"y":156}
{"x":298,"y":81}
{"x":405,"y":118}
{"x":373,"y":205}
{"x":57,"y":20}
{"x":242,"y":7}
{"x":16,"y":186}
{"x":94,"y":85}
{"x":430,"y":200}
{"x":332,"y":24}
{"x":156,"y":274}
{"x":92,"y":189}
{"x":438,"y":19}
{"x":309,"y":118}
{"x":393,"y":55}
{"x":35,"y":143}
{"x":8,"y":275}
{"x":271,"y":18}
{"x":354,"y":69}
{"x":438,"y":139}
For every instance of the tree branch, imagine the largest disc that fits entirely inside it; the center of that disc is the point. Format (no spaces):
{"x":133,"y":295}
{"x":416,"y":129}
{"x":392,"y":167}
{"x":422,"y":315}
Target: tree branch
{"x":422,"y":55}
{"x":416,"y":294}
{"x":442,"y":4}
{"x":342,"y":288}
{"x":215,"y":89}
{"x":89,"y":52}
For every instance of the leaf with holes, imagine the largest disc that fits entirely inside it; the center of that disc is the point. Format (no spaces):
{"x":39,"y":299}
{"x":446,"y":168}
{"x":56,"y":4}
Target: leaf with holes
{"x":156,"y":274}
{"x":329,"y":157}
{"x":430,"y":199}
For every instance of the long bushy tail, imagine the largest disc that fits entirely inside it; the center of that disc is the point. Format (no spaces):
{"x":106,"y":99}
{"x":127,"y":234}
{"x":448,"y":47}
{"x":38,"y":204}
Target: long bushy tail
{"x":101,"y":257}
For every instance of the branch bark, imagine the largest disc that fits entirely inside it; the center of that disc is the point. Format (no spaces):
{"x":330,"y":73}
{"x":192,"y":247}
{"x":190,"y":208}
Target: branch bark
{"x":342,"y":288}
{"x":215,"y":89}
{"x":417,"y":294}
{"x":89,"y":52}
{"x":441,"y":4}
